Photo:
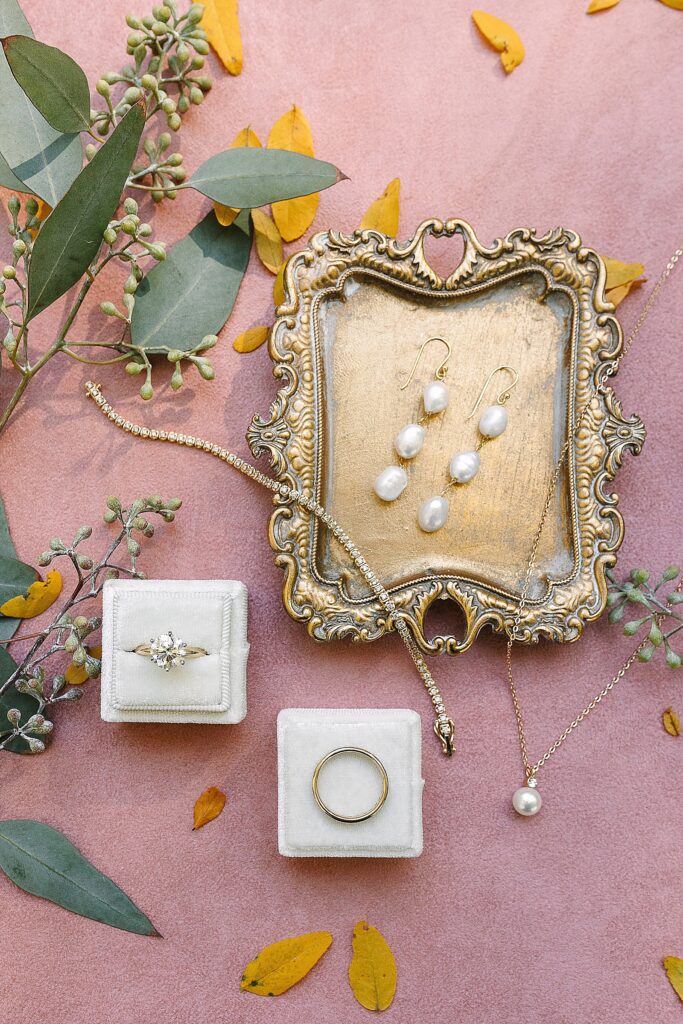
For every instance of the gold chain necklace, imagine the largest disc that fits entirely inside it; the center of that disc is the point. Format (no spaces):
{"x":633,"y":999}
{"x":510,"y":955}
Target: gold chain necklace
{"x":443,"y":723}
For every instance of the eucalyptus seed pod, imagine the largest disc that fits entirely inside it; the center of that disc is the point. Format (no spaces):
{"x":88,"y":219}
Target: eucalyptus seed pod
{"x":150,"y":82}
{"x":173,"y":504}
{"x":134,"y":368}
{"x":174,"y":159}
{"x":195,"y":14}
{"x":14,"y":716}
{"x":9,"y":273}
{"x":205,"y":368}
{"x":208,"y":341}
{"x":198,"y":63}
{"x":132,"y":95}
{"x":90,"y":151}
{"x":177,"y":377}
{"x":146,"y":391}
{"x":113,"y":503}
{"x":109,"y":516}
{"x":44,"y":558}
{"x":82,"y":533}
{"x":173,"y":121}
{"x":19,"y":247}
{"x":174,"y":355}
{"x":183,"y":53}
{"x":130,"y":206}
{"x":183,"y":104}
{"x":84,"y":562}
{"x":13,"y":205}
{"x":56,"y":544}
{"x":31,"y":206}
{"x":133,"y":546}
{"x":144,"y":231}
{"x":201,"y":46}
{"x":102,"y":87}
{"x":196,"y":96}
{"x":34,"y":745}
{"x":58,"y":683}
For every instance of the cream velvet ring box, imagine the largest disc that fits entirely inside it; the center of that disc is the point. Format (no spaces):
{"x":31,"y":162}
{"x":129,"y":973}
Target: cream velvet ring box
{"x":207,"y":615}
{"x":349,"y":783}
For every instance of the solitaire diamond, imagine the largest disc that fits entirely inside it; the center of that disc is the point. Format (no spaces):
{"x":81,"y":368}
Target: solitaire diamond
{"x":168,"y":651}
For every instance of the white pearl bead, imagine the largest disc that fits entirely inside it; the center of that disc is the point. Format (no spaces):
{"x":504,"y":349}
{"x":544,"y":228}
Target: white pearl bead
{"x":465,"y":466}
{"x":391,"y":482}
{"x":526,"y":801}
{"x":435,"y":397}
{"x":409,"y":440}
{"x":432,"y":514}
{"x":493,"y":421}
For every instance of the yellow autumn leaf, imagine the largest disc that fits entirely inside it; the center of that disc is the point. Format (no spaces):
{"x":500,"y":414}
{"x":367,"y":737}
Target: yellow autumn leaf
{"x":382,"y":215}
{"x":293,"y":132}
{"x":268,"y":241}
{"x":44,"y":210}
{"x":282,"y":964}
{"x":208,"y":806}
{"x":222,"y":27}
{"x":39,"y":597}
{"x":372,"y":971}
{"x":279,"y":285}
{"x":246,"y":139}
{"x":675,"y":5}
{"x":671,"y":722}
{"x":673,"y":965}
{"x":75,"y":675}
{"x":250,"y":340}
{"x":619,"y":273}
{"x":502,"y":38}
{"x":600,"y":5}
{"x":617,"y":295}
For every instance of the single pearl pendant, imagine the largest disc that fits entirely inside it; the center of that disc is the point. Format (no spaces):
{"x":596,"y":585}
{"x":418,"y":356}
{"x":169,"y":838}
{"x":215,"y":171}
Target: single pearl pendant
{"x":493,"y":421}
{"x":435,"y":397}
{"x":409,"y":440}
{"x":390,"y":483}
{"x":527,"y":800}
{"x":432,"y":514}
{"x":464,"y":466}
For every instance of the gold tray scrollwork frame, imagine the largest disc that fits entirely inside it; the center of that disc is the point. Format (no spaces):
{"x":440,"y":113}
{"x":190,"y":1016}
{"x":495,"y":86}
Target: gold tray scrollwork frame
{"x":296,"y":435}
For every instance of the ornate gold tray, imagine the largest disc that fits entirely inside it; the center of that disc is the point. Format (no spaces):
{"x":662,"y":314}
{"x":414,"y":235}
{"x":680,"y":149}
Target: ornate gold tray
{"x":357,"y":308}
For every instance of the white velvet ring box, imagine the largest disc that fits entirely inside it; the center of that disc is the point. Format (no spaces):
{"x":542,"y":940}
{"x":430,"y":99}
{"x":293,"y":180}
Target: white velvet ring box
{"x":211,"y":614}
{"x":349,"y":784}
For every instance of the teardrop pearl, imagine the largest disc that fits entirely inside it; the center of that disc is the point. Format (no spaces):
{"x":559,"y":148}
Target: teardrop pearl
{"x":435,"y":397}
{"x":465,"y":466}
{"x":432,"y":514}
{"x":493,"y":421}
{"x":409,"y":440}
{"x":391,"y":482}
{"x":526,"y":801}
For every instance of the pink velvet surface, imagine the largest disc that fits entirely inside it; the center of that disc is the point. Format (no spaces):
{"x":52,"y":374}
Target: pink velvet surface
{"x":563,"y":918}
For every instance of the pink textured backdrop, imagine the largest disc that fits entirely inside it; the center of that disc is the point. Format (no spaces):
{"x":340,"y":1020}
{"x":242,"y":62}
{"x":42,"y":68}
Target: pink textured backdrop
{"x":562,"y":918}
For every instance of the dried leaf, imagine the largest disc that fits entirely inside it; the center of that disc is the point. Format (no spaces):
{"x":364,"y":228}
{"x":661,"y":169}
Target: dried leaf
{"x":600,"y":5}
{"x":42,"y":213}
{"x":293,"y":132}
{"x":279,"y":285}
{"x":282,"y":964}
{"x":268,"y":241}
{"x":248,"y":139}
{"x":502,"y":38}
{"x":208,"y":806}
{"x":222,"y":28}
{"x":250,"y":340}
{"x":675,"y":5}
{"x":382,"y":215}
{"x":617,"y":295}
{"x":673,"y":965}
{"x":671,"y":722}
{"x":76,"y":675}
{"x":372,"y":971}
{"x":619,"y":273}
{"x":38,"y":599}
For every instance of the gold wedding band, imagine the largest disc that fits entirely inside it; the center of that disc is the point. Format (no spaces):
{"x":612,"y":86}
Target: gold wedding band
{"x":350,"y":750}
{"x":169,"y":651}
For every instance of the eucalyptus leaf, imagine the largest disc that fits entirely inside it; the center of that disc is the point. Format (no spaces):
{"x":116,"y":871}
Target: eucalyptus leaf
{"x":43,"y":159}
{"x":71,"y":236}
{"x":8,"y":178}
{"x":8,"y":627}
{"x":15,"y":578}
{"x":247,"y":177}
{"x":52,"y":80}
{"x":191,"y":294}
{"x":23,"y":702}
{"x":42,"y":861}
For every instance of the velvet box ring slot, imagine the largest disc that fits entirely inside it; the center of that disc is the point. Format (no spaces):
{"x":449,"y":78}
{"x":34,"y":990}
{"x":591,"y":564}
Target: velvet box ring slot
{"x":203,"y":678}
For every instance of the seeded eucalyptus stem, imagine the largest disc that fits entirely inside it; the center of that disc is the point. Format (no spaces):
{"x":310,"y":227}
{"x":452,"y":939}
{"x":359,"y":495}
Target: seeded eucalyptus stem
{"x":66,"y":633}
{"x":660,"y":621}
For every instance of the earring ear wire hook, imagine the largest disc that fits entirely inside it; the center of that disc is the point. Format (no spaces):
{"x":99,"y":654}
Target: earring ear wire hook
{"x":503,"y":396}
{"x":443,"y":367}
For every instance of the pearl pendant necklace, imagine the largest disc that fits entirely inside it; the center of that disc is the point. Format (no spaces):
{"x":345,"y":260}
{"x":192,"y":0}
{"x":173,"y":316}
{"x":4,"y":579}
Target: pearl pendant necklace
{"x":527,"y":800}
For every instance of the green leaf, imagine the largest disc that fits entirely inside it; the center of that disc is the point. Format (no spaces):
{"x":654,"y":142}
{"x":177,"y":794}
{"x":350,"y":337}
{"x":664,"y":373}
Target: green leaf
{"x":8,"y":627}
{"x":8,"y":178}
{"x":43,"y":159}
{"x":24,"y":702}
{"x":42,"y":861}
{"x":71,"y":236}
{"x":247,"y":177}
{"x":191,"y":294}
{"x":52,"y":80}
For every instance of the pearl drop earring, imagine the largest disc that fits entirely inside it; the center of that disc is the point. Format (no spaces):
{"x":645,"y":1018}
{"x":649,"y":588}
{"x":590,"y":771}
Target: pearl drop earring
{"x":408,"y":443}
{"x":464,"y":466}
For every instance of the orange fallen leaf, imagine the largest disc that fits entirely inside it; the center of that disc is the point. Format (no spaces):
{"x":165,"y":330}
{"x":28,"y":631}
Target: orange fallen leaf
{"x":502,"y":37}
{"x":675,"y":5}
{"x":268,"y":241}
{"x":75,"y":675}
{"x":601,"y":5}
{"x":383,"y":214}
{"x":671,"y":722}
{"x":44,"y":210}
{"x":673,"y":965}
{"x":293,"y":132}
{"x":222,"y":28}
{"x":250,"y":340}
{"x":39,"y":597}
{"x":372,"y":971}
{"x":282,"y":964}
{"x":279,"y":285}
{"x":619,"y":273}
{"x":246,"y":139}
{"x":208,"y":806}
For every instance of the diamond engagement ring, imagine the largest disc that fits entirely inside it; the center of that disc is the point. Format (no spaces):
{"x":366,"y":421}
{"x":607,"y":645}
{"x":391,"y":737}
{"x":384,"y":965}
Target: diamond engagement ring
{"x":168,"y":651}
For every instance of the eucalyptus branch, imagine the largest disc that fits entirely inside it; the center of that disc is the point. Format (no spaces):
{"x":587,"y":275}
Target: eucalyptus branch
{"x":69,"y":627}
{"x":660,"y":619}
